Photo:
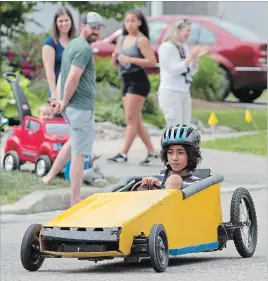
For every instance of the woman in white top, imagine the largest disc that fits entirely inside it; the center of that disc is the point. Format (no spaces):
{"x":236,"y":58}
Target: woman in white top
{"x":177,"y":65}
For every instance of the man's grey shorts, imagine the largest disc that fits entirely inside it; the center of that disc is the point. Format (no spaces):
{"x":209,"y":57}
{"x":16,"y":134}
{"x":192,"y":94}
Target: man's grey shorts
{"x":82,"y":126}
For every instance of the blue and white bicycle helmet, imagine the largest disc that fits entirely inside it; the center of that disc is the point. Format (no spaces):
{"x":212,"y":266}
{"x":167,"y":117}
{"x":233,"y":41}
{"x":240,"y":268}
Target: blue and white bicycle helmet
{"x":181,"y":134}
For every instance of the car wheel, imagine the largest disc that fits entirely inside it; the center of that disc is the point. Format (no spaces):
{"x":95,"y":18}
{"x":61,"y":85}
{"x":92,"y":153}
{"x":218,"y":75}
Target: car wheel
{"x":158,"y":248}
{"x":226,"y":84}
{"x":247,"y":96}
{"x":11,"y":161}
{"x":42,"y":165}
{"x":243,"y":213}
{"x":31,"y":258}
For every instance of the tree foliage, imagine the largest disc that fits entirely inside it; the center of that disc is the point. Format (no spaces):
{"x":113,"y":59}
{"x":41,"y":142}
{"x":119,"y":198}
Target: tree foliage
{"x":15,"y":14}
{"x":114,"y":10}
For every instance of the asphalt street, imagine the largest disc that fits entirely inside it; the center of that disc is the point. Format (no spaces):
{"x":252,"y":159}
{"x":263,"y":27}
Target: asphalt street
{"x":224,"y":265}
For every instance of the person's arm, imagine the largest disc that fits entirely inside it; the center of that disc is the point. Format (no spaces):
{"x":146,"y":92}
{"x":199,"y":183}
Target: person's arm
{"x":58,"y":89}
{"x":48,"y":57}
{"x":114,"y":55}
{"x":79,"y":63}
{"x":149,"y":59}
{"x":193,"y":65}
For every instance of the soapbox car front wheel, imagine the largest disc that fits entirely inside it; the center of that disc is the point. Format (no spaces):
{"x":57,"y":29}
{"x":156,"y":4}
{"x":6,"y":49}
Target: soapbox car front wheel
{"x":30,"y":255}
{"x":158,"y":248}
{"x":42,"y":165}
{"x":243,"y":213}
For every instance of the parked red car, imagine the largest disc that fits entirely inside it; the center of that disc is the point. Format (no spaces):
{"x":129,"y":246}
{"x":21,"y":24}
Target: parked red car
{"x":36,"y":142}
{"x":242,"y":55}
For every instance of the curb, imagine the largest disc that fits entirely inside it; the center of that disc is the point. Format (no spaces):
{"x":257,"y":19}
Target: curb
{"x":45,"y":201}
{"x":59,"y":199}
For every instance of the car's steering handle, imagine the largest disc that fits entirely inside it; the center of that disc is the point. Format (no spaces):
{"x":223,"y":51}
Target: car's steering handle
{"x":142,"y":187}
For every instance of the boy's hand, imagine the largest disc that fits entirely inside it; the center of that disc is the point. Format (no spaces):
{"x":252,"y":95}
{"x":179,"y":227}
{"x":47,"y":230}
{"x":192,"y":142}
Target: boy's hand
{"x":150,"y":181}
{"x":147,"y":183}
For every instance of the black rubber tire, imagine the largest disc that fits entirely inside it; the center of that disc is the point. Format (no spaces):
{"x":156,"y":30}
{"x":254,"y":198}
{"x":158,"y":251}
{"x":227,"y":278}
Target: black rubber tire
{"x":227,"y":87}
{"x":28,"y":261}
{"x":238,"y":195}
{"x":16,"y":160}
{"x":48,"y":165}
{"x":247,"y":95}
{"x":158,"y":231}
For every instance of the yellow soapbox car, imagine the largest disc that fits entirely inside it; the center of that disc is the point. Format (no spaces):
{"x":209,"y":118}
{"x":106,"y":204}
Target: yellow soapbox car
{"x":158,"y":224}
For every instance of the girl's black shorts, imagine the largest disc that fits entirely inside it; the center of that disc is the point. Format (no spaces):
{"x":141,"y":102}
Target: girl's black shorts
{"x":136,"y":83}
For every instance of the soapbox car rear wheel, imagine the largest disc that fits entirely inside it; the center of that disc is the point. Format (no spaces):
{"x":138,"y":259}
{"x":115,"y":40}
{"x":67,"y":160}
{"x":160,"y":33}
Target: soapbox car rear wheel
{"x":11,"y":161}
{"x":243,"y":213}
{"x":42,"y":165}
{"x":158,"y":248}
{"x":30,"y":255}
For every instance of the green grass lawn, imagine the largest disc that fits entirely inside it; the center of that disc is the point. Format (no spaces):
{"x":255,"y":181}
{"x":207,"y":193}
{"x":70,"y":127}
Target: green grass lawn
{"x":234,"y":118}
{"x":15,"y":185}
{"x":230,"y":117}
{"x":253,"y":144}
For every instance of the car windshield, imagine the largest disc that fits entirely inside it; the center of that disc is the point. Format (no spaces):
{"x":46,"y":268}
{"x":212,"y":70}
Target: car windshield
{"x":54,"y":128}
{"x":237,"y":31}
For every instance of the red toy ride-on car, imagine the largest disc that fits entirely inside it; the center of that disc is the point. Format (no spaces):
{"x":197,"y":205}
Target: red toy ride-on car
{"x":32,"y":141}
{"x":36,"y":142}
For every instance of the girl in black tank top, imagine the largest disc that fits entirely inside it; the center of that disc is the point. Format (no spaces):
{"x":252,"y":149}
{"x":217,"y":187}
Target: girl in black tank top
{"x":132,"y":54}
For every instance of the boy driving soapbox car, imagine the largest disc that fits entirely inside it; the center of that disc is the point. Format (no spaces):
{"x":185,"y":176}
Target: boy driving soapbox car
{"x":129,"y":220}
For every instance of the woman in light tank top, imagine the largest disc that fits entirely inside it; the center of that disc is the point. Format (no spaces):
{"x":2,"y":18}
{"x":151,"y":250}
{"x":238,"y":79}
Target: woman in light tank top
{"x":132,"y":54}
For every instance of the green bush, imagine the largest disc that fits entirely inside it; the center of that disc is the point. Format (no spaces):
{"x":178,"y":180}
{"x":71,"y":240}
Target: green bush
{"x":36,"y":94}
{"x":106,"y":73}
{"x":106,"y":92}
{"x":207,"y":82}
{"x":156,"y":119}
{"x":155,"y":82}
{"x":112,"y":112}
{"x":23,"y":54}
{"x":150,"y":105}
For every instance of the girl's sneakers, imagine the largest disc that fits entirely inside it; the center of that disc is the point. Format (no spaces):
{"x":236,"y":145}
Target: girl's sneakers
{"x":119,"y":158}
{"x":122,"y":158}
{"x":149,"y":159}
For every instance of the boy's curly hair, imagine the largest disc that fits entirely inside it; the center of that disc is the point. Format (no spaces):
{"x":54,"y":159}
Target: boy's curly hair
{"x":193,"y":154}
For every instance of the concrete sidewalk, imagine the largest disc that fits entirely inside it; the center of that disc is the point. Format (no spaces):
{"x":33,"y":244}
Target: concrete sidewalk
{"x":238,"y":170}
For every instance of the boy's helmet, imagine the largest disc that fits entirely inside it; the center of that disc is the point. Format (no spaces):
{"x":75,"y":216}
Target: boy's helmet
{"x":181,"y":134}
